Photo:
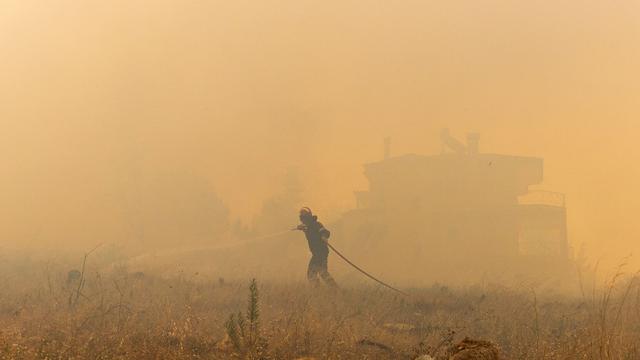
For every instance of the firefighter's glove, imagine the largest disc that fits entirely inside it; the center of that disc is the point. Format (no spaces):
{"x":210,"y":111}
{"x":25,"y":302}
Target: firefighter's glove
{"x":302,"y":227}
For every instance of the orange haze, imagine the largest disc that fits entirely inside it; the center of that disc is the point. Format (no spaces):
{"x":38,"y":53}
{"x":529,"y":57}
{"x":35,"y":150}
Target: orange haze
{"x":100,"y":98}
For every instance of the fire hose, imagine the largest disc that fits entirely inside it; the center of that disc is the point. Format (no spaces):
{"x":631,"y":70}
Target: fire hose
{"x":336,"y":251}
{"x":359,"y":268}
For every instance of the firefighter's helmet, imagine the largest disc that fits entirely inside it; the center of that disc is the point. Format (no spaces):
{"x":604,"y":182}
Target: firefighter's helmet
{"x":305,"y":211}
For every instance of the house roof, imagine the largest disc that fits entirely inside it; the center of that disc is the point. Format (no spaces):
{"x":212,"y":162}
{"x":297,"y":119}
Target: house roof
{"x":524,"y":170}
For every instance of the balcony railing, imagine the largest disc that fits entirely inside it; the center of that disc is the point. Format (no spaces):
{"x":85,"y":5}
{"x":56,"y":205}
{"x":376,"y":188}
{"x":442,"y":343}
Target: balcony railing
{"x":541,"y":197}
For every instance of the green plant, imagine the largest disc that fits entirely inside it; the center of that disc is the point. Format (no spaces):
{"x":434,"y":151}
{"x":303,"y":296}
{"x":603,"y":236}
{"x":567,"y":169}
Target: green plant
{"x":244,"y":330}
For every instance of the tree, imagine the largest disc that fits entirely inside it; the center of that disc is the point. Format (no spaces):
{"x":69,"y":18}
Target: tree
{"x":279,"y":211}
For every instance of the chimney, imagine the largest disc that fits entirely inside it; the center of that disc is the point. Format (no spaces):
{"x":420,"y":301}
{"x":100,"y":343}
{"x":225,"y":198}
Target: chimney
{"x":473,"y":143}
{"x":387,"y":148}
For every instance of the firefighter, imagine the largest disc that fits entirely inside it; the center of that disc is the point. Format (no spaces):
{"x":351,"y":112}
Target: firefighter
{"x":317,"y":237}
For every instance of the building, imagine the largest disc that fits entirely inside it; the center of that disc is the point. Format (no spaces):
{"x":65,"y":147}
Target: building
{"x":461,"y":213}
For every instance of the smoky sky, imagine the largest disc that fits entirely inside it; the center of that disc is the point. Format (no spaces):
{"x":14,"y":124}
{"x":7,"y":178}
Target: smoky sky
{"x":96,"y":96}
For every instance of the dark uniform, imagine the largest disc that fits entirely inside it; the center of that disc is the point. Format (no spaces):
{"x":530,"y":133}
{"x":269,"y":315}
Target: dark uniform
{"x":317,"y":237}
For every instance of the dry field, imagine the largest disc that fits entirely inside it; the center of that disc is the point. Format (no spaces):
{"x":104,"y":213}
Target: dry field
{"x":122,"y":314}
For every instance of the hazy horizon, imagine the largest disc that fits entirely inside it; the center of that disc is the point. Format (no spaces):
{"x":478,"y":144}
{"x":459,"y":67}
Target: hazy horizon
{"x":101,"y":100}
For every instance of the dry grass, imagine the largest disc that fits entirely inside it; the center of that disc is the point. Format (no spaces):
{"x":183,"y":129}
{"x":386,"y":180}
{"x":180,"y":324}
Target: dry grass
{"x":116,"y":314}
